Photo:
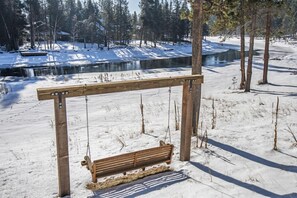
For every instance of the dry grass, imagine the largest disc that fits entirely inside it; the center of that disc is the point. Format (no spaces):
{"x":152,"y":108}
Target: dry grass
{"x":293,"y":135}
{"x":127,"y":178}
{"x":275,"y":125}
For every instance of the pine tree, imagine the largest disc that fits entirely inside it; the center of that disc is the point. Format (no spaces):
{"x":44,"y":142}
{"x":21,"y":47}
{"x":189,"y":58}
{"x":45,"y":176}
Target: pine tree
{"x":55,"y":15}
{"x":270,"y":8}
{"x":122,"y":21}
{"x":166,"y":21}
{"x":70,"y":16}
{"x":12,"y":23}
{"x":33,"y":8}
{"x":135,"y":25}
{"x":107,"y":20}
{"x":252,"y":4}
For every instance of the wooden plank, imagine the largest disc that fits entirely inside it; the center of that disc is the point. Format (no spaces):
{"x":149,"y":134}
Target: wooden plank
{"x":103,"y":88}
{"x":131,"y":161}
{"x":62,"y":146}
{"x":186,"y":125}
{"x":114,"y":165}
{"x":129,"y":158}
{"x":155,"y":158}
{"x":33,"y":53}
{"x":130,"y":155}
{"x":116,"y":157}
{"x":114,"y":169}
{"x":104,"y":174}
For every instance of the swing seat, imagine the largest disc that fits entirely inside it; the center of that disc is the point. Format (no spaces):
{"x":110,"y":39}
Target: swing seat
{"x":129,"y":161}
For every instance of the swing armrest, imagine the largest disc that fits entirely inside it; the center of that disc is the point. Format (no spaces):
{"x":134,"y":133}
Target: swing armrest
{"x":88,"y":163}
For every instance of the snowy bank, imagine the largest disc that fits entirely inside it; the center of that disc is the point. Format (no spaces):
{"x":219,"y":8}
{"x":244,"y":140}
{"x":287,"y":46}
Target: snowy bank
{"x":67,"y":54}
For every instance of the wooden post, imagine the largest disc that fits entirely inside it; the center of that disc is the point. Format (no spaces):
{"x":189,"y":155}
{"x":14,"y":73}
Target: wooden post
{"x":62,"y":145}
{"x":197,"y":32}
{"x":186,"y":125}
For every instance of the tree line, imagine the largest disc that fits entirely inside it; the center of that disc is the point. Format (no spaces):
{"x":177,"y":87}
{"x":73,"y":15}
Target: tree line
{"x":100,"y":21}
{"x":257,"y":18}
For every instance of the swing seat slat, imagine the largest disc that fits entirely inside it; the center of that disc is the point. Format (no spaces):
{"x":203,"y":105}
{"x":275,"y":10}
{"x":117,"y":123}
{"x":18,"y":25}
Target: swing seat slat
{"x":129,"y":161}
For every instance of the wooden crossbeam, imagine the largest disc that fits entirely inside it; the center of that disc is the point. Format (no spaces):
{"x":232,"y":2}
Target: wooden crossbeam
{"x":112,"y":87}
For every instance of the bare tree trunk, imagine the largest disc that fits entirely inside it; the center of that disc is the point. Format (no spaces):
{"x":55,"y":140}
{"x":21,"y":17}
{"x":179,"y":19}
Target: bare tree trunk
{"x":197,"y":59}
{"x":266,"y":51}
{"x":6,"y":28}
{"x":251,"y":50}
{"x":141,"y":36}
{"x":242,"y":45}
{"x":55,"y":30}
{"x":32,"y":32}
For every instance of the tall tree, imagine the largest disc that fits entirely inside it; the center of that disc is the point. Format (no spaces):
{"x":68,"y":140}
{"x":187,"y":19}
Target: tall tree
{"x":135,"y":25}
{"x":33,"y":8}
{"x":270,"y":8}
{"x":253,"y":11}
{"x":70,"y":15}
{"x":267,"y":42}
{"x":166,"y":23}
{"x":184,"y":23}
{"x":107,"y":20}
{"x":122,"y":21}
{"x":242,"y":43}
{"x":176,"y":29}
{"x":55,"y":14}
{"x":12,"y":23}
{"x":145,"y":18}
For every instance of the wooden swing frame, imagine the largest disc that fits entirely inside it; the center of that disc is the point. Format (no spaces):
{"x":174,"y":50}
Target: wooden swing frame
{"x":59,"y":95}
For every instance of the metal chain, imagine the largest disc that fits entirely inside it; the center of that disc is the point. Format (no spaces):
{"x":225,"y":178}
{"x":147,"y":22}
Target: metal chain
{"x":88,"y":152}
{"x":168,"y":116}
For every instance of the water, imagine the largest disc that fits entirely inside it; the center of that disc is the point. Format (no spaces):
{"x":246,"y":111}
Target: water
{"x":218,"y":60}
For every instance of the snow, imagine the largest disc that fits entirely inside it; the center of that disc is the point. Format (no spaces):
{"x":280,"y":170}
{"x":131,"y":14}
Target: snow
{"x":239,"y":160}
{"x":67,"y":54}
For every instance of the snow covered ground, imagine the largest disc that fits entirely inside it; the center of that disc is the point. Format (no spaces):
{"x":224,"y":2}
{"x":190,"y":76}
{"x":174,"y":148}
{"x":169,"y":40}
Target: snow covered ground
{"x":239,"y":160}
{"x":67,"y":54}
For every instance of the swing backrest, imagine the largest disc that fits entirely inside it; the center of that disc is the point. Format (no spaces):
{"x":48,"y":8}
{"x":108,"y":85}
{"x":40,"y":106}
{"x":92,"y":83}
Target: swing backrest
{"x":131,"y":161}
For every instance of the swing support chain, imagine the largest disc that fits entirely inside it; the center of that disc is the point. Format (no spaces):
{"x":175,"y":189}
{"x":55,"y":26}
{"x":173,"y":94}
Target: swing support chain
{"x":168,"y":116}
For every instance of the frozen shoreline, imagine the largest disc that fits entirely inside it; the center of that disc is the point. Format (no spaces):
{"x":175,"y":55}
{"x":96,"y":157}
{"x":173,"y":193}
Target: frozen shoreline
{"x":64,"y":55}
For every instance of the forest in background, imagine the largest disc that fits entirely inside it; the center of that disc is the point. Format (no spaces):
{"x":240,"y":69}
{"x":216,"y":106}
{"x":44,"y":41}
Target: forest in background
{"x":110,"y":21}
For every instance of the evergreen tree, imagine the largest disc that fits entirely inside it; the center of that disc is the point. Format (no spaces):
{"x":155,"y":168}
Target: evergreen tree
{"x":33,"y":8}
{"x":252,"y":5}
{"x":185,"y":22}
{"x":176,"y":18}
{"x":135,"y":25}
{"x":166,"y":21}
{"x":12,"y":23}
{"x":122,"y":21}
{"x":55,"y":15}
{"x":70,"y":16}
{"x":144,"y":19}
{"x":107,"y":20}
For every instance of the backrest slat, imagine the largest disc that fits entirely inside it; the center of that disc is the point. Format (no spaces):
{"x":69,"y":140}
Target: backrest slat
{"x":131,"y":161}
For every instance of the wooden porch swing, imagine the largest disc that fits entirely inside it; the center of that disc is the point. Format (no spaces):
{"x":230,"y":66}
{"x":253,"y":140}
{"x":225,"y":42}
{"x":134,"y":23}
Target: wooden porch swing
{"x":124,"y":162}
{"x":129,"y":161}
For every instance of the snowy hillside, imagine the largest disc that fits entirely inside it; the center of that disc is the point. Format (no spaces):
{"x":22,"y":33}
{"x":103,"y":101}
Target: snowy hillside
{"x":239,"y":160}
